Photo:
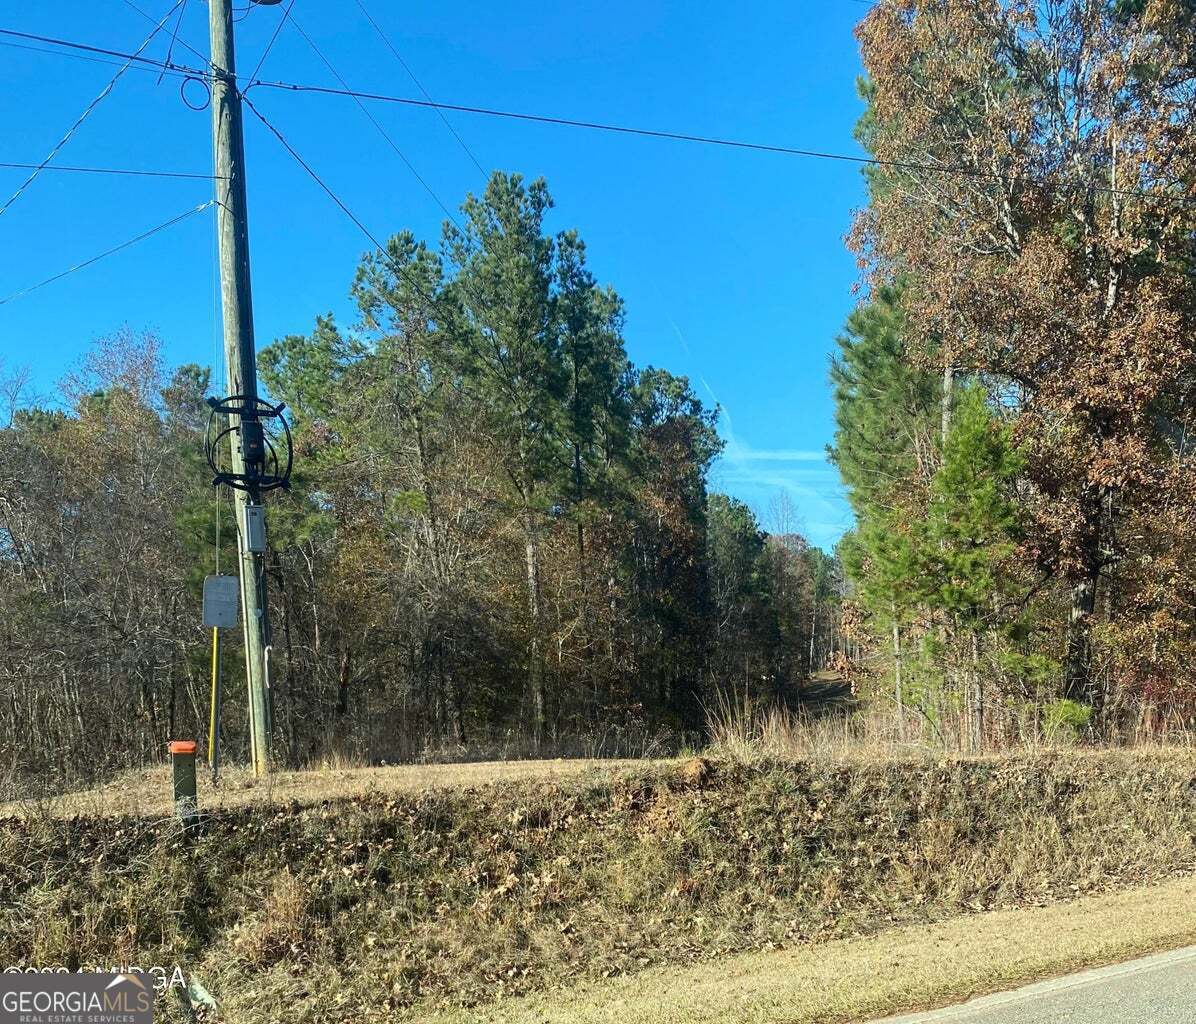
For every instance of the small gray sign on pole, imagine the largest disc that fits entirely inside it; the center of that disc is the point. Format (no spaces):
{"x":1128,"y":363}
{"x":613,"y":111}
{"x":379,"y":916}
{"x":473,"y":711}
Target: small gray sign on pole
{"x":220,"y":600}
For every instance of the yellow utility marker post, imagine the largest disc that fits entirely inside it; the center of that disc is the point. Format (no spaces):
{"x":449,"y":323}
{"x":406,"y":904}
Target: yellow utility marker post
{"x":220,"y":609}
{"x":214,"y":715}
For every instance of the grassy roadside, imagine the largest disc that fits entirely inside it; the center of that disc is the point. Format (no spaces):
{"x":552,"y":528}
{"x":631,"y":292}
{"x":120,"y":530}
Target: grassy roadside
{"x":147,"y":792}
{"x":397,"y":905}
{"x":910,"y":968}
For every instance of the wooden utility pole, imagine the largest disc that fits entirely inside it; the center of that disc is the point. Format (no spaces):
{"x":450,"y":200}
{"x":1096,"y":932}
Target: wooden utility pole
{"x":240,"y":359}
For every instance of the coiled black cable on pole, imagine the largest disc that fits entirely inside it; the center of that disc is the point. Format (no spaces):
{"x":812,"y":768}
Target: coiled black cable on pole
{"x":264,"y":469}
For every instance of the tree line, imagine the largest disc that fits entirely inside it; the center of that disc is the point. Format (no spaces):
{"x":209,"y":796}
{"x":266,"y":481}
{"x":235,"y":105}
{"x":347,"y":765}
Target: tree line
{"x":499,"y":536}
{"x":1015,"y":396}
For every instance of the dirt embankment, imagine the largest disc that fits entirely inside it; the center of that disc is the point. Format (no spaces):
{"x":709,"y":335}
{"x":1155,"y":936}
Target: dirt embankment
{"x":388,"y":905}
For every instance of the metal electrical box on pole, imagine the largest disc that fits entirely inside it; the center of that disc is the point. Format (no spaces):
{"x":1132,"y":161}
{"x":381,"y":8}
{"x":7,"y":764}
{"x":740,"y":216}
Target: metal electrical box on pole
{"x":255,"y":529}
{"x":244,"y":426}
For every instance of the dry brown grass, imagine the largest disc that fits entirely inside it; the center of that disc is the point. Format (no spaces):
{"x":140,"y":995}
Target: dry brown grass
{"x":399,"y":904}
{"x":146,"y":793}
{"x":748,"y":731}
{"x":751,"y":731}
{"x":283,"y":925}
{"x":909,"y":968}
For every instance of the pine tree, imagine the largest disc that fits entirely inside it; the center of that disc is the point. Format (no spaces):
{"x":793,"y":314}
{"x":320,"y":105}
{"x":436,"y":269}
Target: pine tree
{"x":968,"y":538}
{"x":886,"y":414}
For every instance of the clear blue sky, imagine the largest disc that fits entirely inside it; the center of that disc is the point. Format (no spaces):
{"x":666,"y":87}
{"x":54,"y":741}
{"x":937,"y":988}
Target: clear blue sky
{"x":732,"y":263}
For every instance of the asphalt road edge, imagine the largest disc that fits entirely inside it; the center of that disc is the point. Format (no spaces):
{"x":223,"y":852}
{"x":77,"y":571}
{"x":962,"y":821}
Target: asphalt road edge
{"x":1042,"y":988}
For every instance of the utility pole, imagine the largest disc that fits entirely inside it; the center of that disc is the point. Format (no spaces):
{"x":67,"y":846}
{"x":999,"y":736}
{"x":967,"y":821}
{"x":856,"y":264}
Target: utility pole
{"x":246,"y":436}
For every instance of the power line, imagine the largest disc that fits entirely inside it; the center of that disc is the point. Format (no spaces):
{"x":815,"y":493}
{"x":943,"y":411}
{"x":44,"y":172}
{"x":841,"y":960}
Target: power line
{"x":419,"y":85}
{"x":374,"y":121}
{"x":133,"y":172}
{"x":160,"y":68}
{"x":706,"y":140}
{"x":270,"y":45}
{"x":136,"y":58}
{"x":398,"y":268}
{"x":906,"y":165}
{"x":174,"y":36}
{"x":109,"y":252}
{"x":186,"y":45}
{"x":315,"y":177}
{"x":87,"y":111}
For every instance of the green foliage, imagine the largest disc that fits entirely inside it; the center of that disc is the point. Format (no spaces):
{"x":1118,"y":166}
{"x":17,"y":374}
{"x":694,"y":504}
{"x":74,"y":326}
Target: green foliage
{"x":408,"y":503}
{"x":304,"y":371}
{"x":972,"y":522}
{"x":885,"y":409}
{"x":1035,"y":669}
{"x":886,"y":412}
{"x":937,"y":520}
{"x":501,"y":321}
{"x":745,"y":616}
{"x":1065,"y":720}
{"x":498,"y":533}
{"x":735,"y":545}
{"x":36,"y":420}
{"x":185,"y":397}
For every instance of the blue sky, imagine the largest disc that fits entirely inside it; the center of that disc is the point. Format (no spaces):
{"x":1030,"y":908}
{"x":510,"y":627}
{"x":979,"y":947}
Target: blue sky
{"x":731,"y":263}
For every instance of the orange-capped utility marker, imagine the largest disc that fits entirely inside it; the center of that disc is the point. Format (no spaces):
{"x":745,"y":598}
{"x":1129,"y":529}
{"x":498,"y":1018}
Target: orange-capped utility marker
{"x":182,"y":746}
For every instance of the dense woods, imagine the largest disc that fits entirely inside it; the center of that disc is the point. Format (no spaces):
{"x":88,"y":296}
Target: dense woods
{"x":499,"y":538}
{"x":1015,"y":396}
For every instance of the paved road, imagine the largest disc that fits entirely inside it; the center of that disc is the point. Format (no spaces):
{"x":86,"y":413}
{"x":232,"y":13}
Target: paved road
{"x":1157,"y":990}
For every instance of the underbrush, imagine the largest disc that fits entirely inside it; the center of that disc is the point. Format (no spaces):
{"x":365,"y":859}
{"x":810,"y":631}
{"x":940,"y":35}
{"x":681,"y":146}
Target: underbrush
{"x":380,"y":907}
{"x":744,"y":729}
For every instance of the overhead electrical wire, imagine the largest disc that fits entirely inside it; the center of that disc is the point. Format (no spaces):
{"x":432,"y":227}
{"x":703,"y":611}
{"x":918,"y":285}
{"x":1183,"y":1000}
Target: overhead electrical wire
{"x":87,"y":110}
{"x":130,"y":171}
{"x":105,"y":51}
{"x":707,"y":140}
{"x":419,"y":85}
{"x":399,"y":270}
{"x":108,"y":252}
{"x":270,"y":45}
{"x":174,"y":36}
{"x":376,"y":123}
{"x":183,"y":42}
{"x":323,"y":185}
{"x":159,"y":68}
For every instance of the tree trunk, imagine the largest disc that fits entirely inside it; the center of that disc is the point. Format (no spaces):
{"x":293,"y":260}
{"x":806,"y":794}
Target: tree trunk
{"x":948,"y":397}
{"x":813,"y":634}
{"x":977,"y":696}
{"x":342,"y":683}
{"x":1078,"y":684}
{"x":535,"y":665}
